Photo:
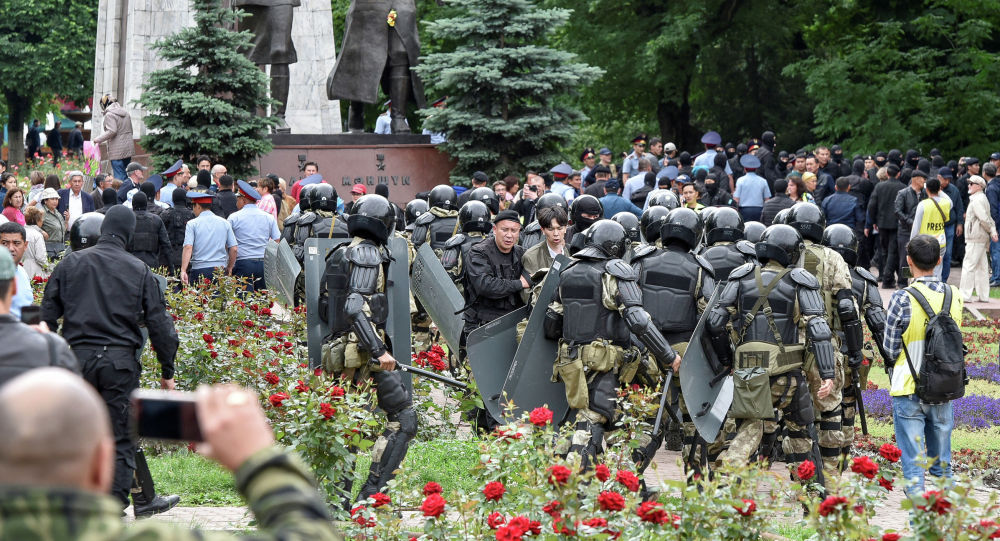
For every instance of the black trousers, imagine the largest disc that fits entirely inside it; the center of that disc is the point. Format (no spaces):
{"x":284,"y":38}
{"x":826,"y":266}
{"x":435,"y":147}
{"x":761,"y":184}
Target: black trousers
{"x":115,"y":374}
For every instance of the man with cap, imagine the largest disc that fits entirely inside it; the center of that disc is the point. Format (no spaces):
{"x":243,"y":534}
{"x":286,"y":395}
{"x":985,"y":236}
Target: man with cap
{"x":357,"y":191}
{"x":209,"y":242}
{"x":150,"y":242}
{"x":614,"y":203}
{"x":135,"y":173}
{"x":751,"y":190}
{"x":383,"y":124}
{"x":225,"y":198}
{"x":252,"y":228}
{"x":175,"y":177}
{"x":905,"y":207}
{"x":706,"y":159}
{"x":980,"y":230}
{"x":630,"y":166}
{"x":765,"y":153}
{"x":598,"y":176}
{"x":73,"y":201}
{"x":102,"y":295}
{"x":589,"y":159}
{"x":437,"y":137}
{"x":151,"y":188}
{"x":952,"y":227}
{"x":560,"y":181}
{"x":479,"y":180}
{"x":605,"y":156}
{"x":669,"y":155}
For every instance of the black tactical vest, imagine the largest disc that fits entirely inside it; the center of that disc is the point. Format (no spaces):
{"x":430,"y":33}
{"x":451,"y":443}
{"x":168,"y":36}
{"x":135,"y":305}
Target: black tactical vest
{"x":723,"y":258}
{"x":176,"y":222}
{"x":321,"y":227}
{"x":456,"y":253}
{"x":288,"y":228}
{"x":669,"y":283}
{"x":782,"y":300}
{"x":440,"y":230}
{"x":337,"y":277}
{"x":585,"y":318}
{"x":531,"y":235}
{"x":146,"y":237}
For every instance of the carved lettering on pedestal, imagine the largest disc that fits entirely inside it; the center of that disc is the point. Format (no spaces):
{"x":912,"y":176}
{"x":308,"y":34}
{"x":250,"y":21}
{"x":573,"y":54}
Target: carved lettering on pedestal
{"x":380,"y":162}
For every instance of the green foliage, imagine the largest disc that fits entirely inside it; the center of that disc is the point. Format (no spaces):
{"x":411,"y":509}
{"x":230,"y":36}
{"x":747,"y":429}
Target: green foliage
{"x":197,"y":480}
{"x":207,"y":102}
{"x":509,"y":94}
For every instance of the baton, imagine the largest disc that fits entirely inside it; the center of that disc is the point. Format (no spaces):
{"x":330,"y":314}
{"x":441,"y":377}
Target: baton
{"x":859,"y":401}
{"x":663,"y":403}
{"x":432,"y":375}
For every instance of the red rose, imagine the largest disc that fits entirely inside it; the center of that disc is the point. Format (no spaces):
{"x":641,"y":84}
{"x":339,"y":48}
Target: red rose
{"x":988,"y":527}
{"x":540,"y":416}
{"x":936,"y":502}
{"x":628,"y":479}
{"x":863,"y":465}
{"x":507,"y":534}
{"x":558,"y":474}
{"x":806,"y":470}
{"x":337,"y":391}
{"x":326,"y":410}
{"x":438,"y":364}
{"x":247,"y":354}
{"x":360,"y":519}
{"x":602,"y":473}
{"x":199,"y":316}
{"x":495,"y":520}
{"x":890,"y":452}
{"x":318,"y":372}
{"x":432,"y":488}
{"x":271,"y":378}
{"x":494,"y":491}
{"x":520,"y":525}
{"x":596,"y":522}
{"x":207,"y":338}
{"x":265,"y":311}
{"x":552,"y":508}
{"x":559,"y":526}
{"x":380,"y":499}
{"x":213,"y":354}
{"x":234,"y":342}
{"x":277,"y":398}
{"x":652,"y":512}
{"x":247,"y":323}
{"x":748,"y":508}
{"x":831,"y":504}
{"x":885,"y":483}
{"x":891,"y":537}
{"x":433,"y":505}
{"x":611,"y":501}
{"x":302,"y":387}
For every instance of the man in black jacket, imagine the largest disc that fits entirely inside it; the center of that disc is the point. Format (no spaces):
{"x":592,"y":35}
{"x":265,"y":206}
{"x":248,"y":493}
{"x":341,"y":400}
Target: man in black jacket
{"x":881,"y":214}
{"x":225,"y":199}
{"x":150,"y":242}
{"x":102,"y":326}
{"x":905,"y":207}
{"x":776,"y":204}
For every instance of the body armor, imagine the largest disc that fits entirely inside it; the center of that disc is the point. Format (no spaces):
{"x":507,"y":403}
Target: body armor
{"x":302,"y":228}
{"x":531,"y":235}
{"x":581,"y":292}
{"x":724,"y":257}
{"x":329,"y":225}
{"x":782,"y":302}
{"x":672,"y":282}
{"x":455,"y":252}
{"x":434,"y":229}
{"x":288,"y":228}
{"x":355,"y":275}
{"x":146,"y":240}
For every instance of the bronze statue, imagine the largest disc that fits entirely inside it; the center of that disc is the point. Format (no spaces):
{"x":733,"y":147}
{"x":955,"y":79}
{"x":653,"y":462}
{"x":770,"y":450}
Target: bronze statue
{"x":270,"y":22}
{"x":380,"y":46}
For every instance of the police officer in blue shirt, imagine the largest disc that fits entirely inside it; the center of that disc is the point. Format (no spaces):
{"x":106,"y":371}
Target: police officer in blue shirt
{"x":706,"y":159}
{"x":209,"y":242}
{"x":751,"y":190}
{"x":252,"y":228}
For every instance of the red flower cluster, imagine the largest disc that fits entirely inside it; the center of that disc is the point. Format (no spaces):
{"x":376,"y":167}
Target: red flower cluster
{"x":302,"y":387}
{"x":337,"y":391}
{"x":432,"y":488}
{"x":432,"y":358}
{"x":602,"y":473}
{"x":552,"y":508}
{"x":611,"y":501}
{"x":521,"y":525}
{"x":277,"y":398}
{"x":207,"y":338}
{"x":936,"y":502}
{"x":891,"y":536}
{"x":748,"y":508}
{"x":433,"y":505}
{"x":558,"y":474}
{"x":890,"y":452}
{"x":380,"y":499}
{"x":885,"y":483}
{"x":248,"y":324}
{"x":652,"y":512}
{"x":495,"y":520}
{"x":326,"y":410}
{"x":199,"y":316}
{"x":987,"y":527}
{"x":831,"y":504}
{"x":863,"y":465}
{"x":540,"y":416}
{"x":806,"y":470}
{"x":493,"y":491}
{"x":628,"y":479}
{"x":360,"y":520}
{"x":271,"y":378}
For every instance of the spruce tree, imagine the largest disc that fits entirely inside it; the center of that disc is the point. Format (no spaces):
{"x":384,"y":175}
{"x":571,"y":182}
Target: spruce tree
{"x":207,"y":102}
{"x":510,"y":96}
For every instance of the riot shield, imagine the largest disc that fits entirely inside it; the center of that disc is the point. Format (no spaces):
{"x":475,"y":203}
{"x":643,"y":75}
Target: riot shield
{"x":433,"y":287}
{"x":281,"y":269}
{"x":706,"y":384}
{"x":491,"y":349}
{"x":316,"y":251}
{"x":529,"y":381}
{"x":398,"y":292}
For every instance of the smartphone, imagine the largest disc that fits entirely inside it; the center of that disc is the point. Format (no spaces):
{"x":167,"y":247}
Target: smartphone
{"x":533,"y":188}
{"x":906,"y":272}
{"x":165,"y":415}
{"x":31,"y":314}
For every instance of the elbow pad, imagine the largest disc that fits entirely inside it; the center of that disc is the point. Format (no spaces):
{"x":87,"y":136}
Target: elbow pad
{"x":850,"y":324}
{"x":362,"y":327}
{"x":553,"y":325}
{"x":875,"y":317}
{"x":819,"y":334}
{"x":645,"y":330}
{"x":716,"y":324}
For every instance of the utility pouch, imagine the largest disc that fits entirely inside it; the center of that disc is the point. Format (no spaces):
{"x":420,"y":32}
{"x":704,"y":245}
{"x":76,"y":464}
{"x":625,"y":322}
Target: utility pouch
{"x":333,"y":356}
{"x":775,"y":360}
{"x":751,"y":394}
{"x":601,"y":356}
{"x":569,"y":370}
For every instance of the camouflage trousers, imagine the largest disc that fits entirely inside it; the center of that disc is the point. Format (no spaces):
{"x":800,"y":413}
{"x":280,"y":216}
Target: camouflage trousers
{"x":849,"y":407}
{"x":829,"y":416}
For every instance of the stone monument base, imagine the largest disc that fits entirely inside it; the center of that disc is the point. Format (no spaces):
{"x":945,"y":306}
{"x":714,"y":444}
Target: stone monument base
{"x":408,"y":164}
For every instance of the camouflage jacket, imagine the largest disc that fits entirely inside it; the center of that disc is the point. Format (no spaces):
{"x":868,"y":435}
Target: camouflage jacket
{"x":277,"y":486}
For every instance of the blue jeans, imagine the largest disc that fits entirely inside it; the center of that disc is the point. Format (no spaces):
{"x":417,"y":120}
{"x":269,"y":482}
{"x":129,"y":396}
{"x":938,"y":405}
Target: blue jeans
{"x":995,"y":258}
{"x":253,"y":269}
{"x":118,"y":168}
{"x":922,"y":427}
{"x":949,"y":233}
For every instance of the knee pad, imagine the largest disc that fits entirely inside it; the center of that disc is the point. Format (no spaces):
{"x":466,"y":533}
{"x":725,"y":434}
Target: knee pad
{"x":603,"y":394}
{"x":407,"y":420}
{"x":392,"y":395}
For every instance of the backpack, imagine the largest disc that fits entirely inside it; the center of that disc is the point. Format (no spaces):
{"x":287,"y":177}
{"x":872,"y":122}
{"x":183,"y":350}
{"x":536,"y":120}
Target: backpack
{"x":942,"y":375}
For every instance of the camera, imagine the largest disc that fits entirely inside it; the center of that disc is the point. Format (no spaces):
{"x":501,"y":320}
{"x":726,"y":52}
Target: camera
{"x":165,"y":415}
{"x":533,"y":188}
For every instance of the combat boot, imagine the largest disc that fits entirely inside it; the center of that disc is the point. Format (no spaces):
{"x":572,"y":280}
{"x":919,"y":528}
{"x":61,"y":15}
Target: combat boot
{"x":159,"y":504}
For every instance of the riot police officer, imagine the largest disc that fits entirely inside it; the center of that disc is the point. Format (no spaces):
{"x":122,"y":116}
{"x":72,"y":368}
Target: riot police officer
{"x":630,"y":223}
{"x":356,"y":347}
{"x":324,"y":221}
{"x":675,"y":285}
{"x":532,"y":233}
{"x":723,"y":231}
{"x":594,"y":337}
{"x":438,"y":224}
{"x":583,"y":212}
{"x":769,"y":304}
{"x":487,"y":197}
{"x":651,"y":222}
{"x":474,"y":219}
{"x":150,"y":242}
{"x":841,"y":313}
{"x":175,"y":220}
{"x":864,"y":286}
{"x":752,"y":231}
{"x":290,"y":227}
{"x":662,"y":198}
{"x":413,"y":210}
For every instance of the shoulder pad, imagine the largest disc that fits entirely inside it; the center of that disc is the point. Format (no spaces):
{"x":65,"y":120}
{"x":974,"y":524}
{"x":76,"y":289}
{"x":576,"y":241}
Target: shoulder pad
{"x":741,"y":271}
{"x":424,"y":219}
{"x":746,"y":248}
{"x":621,"y":270}
{"x":455,"y":241}
{"x":289,"y":220}
{"x":866,"y":274}
{"x":307,"y":218}
{"x":705,"y":265}
{"x":642,"y":251}
{"x":804,"y":278}
{"x":365,"y":255}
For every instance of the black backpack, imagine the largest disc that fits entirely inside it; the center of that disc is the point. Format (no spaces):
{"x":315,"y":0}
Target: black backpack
{"x":942,"y":375}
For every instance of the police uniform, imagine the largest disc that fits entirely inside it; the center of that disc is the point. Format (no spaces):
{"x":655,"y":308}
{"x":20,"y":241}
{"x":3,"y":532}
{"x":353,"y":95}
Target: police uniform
{"x":210,"y":238}
{"x":777,"y":317}
{"x":594,"y":312}
{"x":354,"y":303}
{"x":253,"y":228}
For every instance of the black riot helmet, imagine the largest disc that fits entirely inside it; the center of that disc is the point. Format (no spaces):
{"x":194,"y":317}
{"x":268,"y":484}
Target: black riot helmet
{"x":323,"y":197}
{"x":551,"y":200}
{"x":630,"y":223}
{"x":413,"y":211}
{"x":842,"y":240}
{"x":443,"y":197}
{"x":663,"y":198}
{"x":724,"y":224}
{"x":780,"y":243}
{"x":782,"y":216}
{"x":86,"y":230}
{"x":585,"y":204}
{"x":683,"y":225}
{"x":651,"y":221}
{"x":305,"y":197}
{"x":605,"y":239}
{"x":372,"y":217}
{"x":752,"y":231}
{"x":488,"y":197}
{"x":808,"y":219}
{"x":475,"y":216}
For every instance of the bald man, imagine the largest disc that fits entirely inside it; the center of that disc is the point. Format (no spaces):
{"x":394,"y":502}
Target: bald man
{"x":57,"y":465}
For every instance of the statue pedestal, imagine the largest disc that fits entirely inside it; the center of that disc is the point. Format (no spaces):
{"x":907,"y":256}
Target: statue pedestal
{"x":408,"y":164}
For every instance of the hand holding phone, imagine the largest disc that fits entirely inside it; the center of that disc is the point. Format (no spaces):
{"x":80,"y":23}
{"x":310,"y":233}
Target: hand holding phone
{"x":31,"y":314}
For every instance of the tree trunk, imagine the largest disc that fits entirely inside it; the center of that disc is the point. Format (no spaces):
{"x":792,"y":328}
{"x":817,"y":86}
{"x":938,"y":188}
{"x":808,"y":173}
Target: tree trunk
{"x":18,"y":107}
{"x":675,"y":121}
